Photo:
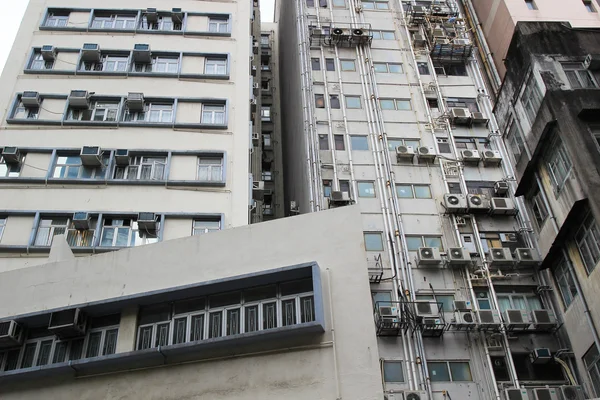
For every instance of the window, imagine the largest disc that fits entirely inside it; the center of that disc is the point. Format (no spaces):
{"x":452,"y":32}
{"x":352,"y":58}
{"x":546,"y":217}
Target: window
{"x":344,"y":186}
{"x":323,"y":3}
{"x":339,"y":3}
{"x":215,"y":114}
{"x":339,"y":142}
{"x":392,"y":370}
{"x":310,"y":3}
{"x":108,"y":63}
{"x":373,"y":241}
{"x":348,"y":65}
{"x":515,"y":141}
{"x":266,"y":175}
{"x":423,"y":68}
{"x":591,"y":359}
{"x":408,"y":191}
{"x":57,"y":20}
{"x":218,"y":25}
{"x":2,"y":226}
{"x":588,"y":6}
{"x":98,"y":112}
{"x":319,"y":100}
{"x":512,"y":301}
{"x":265,"y":84}
{"x":381,"y":298}
{"x":10,"y":170}
{"x":385,"y":68}
{"x":352,"y":101}
{"x":366,"y":189}
{"x":266,"y":140}
{"x":540,"y":212}
{"x":375,"y":5}
{"x":38,"y":62}
{"x":48,"y":228}
{"x":210,"y":169}
{"x":445,"y":301}
{"x":265,"y":114}
{"x":359,"y":142}
{"x":215,"y":66}
{"x":531,"y":99}
{"x":323,"y":142}
{"x":70,"y":167}
{"x":125,"y":233}
{"x":449,"y":371}
{"x":315,"y":64}
{"x":564,"y":281}
{"x":114,"y":21}
{"x":334,"y":101}
{"x":588,"y":242}
{"x":202,"y":226}
{"x":327,"y":188}
{"x":438,"y":371}
{"x":22,"y":112}
{"x":451,"y":69}
{"x":393,"y":143}
{"x":166,"y":65}
{"x":385,"y":35}
{"x":329,"y":64}
{"x":530,"y":5}
{"x":414,"y":242}
{"x":163,"y":23}
{"x":142,"y":168}
{"x":471,"y":104}
{"x":155,"y":113}
{"x":558,"y":163}
{"x":395,"y":104}
{"x":578,"y":76}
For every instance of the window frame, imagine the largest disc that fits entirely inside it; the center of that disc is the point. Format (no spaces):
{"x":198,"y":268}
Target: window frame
{"x":413,"y":191}
{"x":353,"y":144}
{"x":37,"y":62}
{"x":345,"y":63}
{"x":531,"y":98}
{"x":201,"y":230}
{"x":385,"y":375}
{"x":370,"y":191}
{"x":558,"y":163}
{"x":135,"y":236}
{"x":565,"y":282}
{"x":372,"y":234}
{"x":449,"y":370}
{"x":588,"y":234}
{"x":3,"y":220}
{"x":592,"y":366}
{"x":97,"y":173}
{"x":218,"y":64}
{"x":423,"y":241}
{"x":12,"y":170}
{"x":219,"y":167}
{"x":353,"y":98}
{"x":141,"y":162}
{"x":218,"y":25}
{"x":578,"y":76}
{"x":217,"y":112}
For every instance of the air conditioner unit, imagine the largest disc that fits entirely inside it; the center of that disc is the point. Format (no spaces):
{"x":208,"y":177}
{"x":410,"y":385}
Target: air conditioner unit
{"x":177,"y":15}
{"x":340,"y":196}
{"x":358,"y":33}
{"x":491,"y":157}
{"x":455,"y":203}
{"x":404,"y":153}
{"x":426,"y":153}
{"x":81,"y":221}
{"x":11,"y":334}
{"x":415,"y":395}
{"x":488,"y":319}
{"x":460,"y":221}
{"x":258,"y":185}
{"x":592,"y":62}
{"x":255,"y":85}
{"x":388,"y":314}
{"x":478,"y":203}
{"x":48,"y":52}
{"x":135,"y":101}
{"x":501,"y":188}
{"x":426,"y":308}
{"x":463,"y":305}
{"x":147,"y":221}
{"x":419,"y":10}
{"x":11,"y":155}
{"x":141,"y":53}
{"x":516,"y":394}
{"x":339,"y":32}
{"x":429,"y":256}
{"x":79,"y":99}
{"x":540,"y":355}
{"x":122,"y":157}
{"x":458,"y":256}
{"x":151,"y":15}
{"x":525,"y":256}
{"x":418,"y":40}
{"x":545,"y":394}
{"x":31,"y":99}
{"x":479,"y":118}
{"x":460,"y":115}
{"x":465,"y":318}
{"x":517,"y":319}
{"x":503,"y":206}
{"x":571,"y":392}
{"x":470,"y":155}
{"x":431,"y":322}
{"x":68,"y":323}
{"x":500,"y":256}
{"x":493,"y":343}
{"x":543,"y":319}
{"x":462,"y":42}
{"x":91,"y":156}
{"x":90,"y":52}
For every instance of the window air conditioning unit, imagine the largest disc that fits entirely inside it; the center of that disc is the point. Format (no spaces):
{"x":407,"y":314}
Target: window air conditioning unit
{"x":31,"y":99}
{"x":493,"y":343}
{"x":517,"y":319}
{"x":177,"y":15}
{"x":501,"y":188}
{"x":462,"y":42}
{"x":465,"y":318}
{"x":429,"y":256}
{"x":525,"y":256}
{"x":141,"y":53}
{"x":491,"y":157}
{"x":431,"y":322}
{"x":11,"y":155}
{"x":258,"y":185}
{"x":470,"y":155}
{"x":404,"y":153}
{"x":147,"y":221}
{"x":458,"y":256}
{"x":540,"y":355}
{"x":592,"y":62}
{"x":503,"y":206}
{"x":91,"y":156}
{"x":79,"y":99}
{"x":388,"y":314}
{"x":340,"y":196}
{"x":90,"y":52}
{"x":571,"y":392}
{"x":418,"y":40}
{"x":463,"y":305}
{"x":426,"y":308}
{"x":48,"y":52}
{"x":460,"y":115}
{"x":479,"y":118}
{"x":68,"y":323}
{"x":151,"y":15}
{"x":339,"y":32}
{"x":122,"y":157}
{"x":543,"y":319}
{"x":414,"y":395}
{"x":358,"y":33}
{"x":81,"y":221}
{"x":455,"y":203}
{"x":516,"y":394}
{"x":478,"y":203}
{"x":545,"y":394}
{"x":135,"y":101}
{"x":426,"y":153}
{"x":11,"y":334}
{"x":488,"y":319}
{"x":500,"y":256}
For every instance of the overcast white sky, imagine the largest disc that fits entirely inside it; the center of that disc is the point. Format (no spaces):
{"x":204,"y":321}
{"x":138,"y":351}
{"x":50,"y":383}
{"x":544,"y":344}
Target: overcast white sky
{"x":12,"y":13}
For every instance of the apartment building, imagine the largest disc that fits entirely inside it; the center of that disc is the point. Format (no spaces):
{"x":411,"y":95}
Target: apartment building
{"x":550,"y":105}
{"x":385,"y":105}
{"x":127,"y":124}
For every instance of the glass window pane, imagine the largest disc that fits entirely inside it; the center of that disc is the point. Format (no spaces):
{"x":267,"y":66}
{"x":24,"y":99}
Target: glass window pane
{"x":433,"y":242}
{"x":93,"y":347}
{"x":403,"y":104}
{"x":373,"y":241}
{"x":307,"y":309}
{"x":404,"y":191}
{"x":215,"y":324}
{"x":359,"y":142}
{"x":396,"y":68}
{"x":60,"y":352}
{"x":380,"y":67}
{"x":197,"y":330}
{"x":353,"y":102}
{"x":438,"y":372}
{"x":348,"y":65}
{"x":392,"y":371}
{"x":422,"y":192}
{"x":414,"y":242}
{"x":388,"y":35}
{"x":366,"y":189}
{"x":446,"y":302}
{"x":387,"y":104}
{"x":269,"y":316}
{"x":381,"y":298}
{"x":461,"y":371}
{"x":288,"y":312}
{"x":44,"y":354}
{"x":251,"y":318}
{"x":110,"y":342}
{"x":28,"y":355}
{"x":179,"y":330}
{"x":233,"y":322}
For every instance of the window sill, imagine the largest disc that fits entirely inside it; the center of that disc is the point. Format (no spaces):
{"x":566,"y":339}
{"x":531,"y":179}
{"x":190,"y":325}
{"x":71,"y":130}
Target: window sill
{"x":30,"y":71}
{"x":102,"y":181}
{"x":18,"y":121}
{"x":133,"y":31}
